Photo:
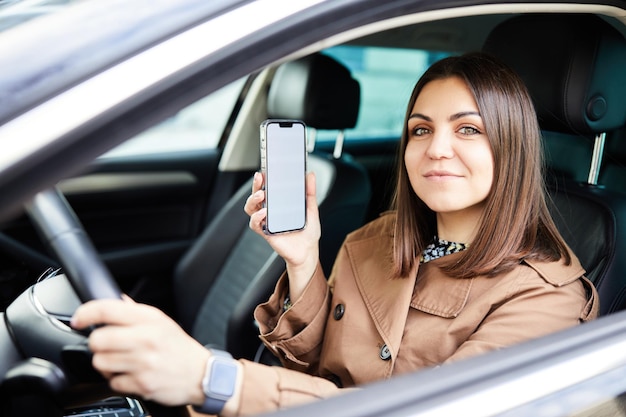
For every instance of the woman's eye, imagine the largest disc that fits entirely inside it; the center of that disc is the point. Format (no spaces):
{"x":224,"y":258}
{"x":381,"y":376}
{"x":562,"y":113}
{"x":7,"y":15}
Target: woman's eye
{"x":420,"y":131}
{"x":469,"y":130}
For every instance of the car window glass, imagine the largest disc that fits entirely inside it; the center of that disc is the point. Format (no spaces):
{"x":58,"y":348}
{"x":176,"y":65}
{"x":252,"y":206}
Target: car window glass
{"x":386,"y":77}
{"x":198,"y":126}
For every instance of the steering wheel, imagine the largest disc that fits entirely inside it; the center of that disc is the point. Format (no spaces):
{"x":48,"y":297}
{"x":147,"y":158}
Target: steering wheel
{"x":30,"y":320}
{"x":61,"y":230}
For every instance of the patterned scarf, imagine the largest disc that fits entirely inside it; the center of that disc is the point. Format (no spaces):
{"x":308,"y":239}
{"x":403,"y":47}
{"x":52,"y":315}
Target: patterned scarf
{"x":439,"y":248}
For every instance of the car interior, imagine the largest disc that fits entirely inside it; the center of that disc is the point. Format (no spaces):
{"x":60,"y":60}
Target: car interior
{"x":185,"y":244}
{"x":588,"y":210}
{"x":230,"y":269}
{"x":580,"y":92}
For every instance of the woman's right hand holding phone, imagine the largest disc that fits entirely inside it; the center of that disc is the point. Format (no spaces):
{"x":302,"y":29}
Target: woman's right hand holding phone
{"x":299,"y":249}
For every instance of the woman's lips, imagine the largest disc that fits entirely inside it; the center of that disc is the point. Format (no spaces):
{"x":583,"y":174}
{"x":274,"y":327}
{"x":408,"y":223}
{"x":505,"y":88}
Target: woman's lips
{"x":437,"y":175}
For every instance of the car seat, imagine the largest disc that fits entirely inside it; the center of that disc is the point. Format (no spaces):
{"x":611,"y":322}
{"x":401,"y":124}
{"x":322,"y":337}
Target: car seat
{"x":230,"y":269}
{"x":575,"y":68}
{"x":613,"y":169}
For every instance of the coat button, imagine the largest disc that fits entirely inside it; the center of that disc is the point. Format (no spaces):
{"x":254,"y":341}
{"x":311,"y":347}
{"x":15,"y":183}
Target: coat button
{"x":339,"y":310}
{"x":385,"y":353}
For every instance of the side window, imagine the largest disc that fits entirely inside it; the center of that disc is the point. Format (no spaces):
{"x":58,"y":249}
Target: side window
{"x":198,"y":126}
{"x":387,"y":77}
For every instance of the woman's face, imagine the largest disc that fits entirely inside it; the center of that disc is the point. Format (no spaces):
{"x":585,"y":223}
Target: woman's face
{"x":448,"y":157}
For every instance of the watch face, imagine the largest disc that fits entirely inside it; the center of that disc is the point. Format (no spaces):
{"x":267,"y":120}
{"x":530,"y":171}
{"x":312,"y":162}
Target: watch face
{"x":222,"y":380}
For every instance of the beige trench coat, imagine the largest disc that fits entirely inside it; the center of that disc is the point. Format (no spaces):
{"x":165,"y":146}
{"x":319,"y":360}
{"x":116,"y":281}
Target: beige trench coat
{"x":362,"y":325}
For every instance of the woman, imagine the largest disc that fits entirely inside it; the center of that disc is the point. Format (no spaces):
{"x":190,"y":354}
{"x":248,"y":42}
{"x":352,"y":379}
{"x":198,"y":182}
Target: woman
{"x":469,"y":261}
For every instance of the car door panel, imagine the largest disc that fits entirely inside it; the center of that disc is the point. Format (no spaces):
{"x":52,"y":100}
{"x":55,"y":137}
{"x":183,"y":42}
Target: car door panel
{"x":141,"y":212}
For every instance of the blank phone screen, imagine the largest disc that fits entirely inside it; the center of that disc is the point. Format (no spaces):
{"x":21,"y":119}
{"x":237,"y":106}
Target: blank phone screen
{"x":285,"y":177}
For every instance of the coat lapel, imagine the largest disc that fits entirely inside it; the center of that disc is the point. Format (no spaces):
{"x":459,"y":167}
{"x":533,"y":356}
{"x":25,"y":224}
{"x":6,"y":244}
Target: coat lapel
{"x":438,"y":294}
{"x":387,"y":299}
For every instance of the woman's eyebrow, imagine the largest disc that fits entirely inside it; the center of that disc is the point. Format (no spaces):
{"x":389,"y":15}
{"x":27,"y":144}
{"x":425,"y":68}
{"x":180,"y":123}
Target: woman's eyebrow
{"x":458,"y":115}
{"x":420,"y":116}
{"x":453,"y":117}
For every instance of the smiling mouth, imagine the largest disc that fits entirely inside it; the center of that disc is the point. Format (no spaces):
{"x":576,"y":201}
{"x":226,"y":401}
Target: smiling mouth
{"x":441,"y":175}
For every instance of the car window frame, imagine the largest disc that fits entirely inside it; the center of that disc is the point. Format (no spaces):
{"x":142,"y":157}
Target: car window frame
{"x":492,"y":384}
{"x":439,"y":384}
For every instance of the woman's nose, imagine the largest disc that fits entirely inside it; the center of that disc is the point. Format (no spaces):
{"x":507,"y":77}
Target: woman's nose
{"x":440,"y":146}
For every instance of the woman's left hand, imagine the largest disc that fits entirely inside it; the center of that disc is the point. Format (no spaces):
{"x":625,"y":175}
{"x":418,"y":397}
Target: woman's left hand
{"x":142,"y":351}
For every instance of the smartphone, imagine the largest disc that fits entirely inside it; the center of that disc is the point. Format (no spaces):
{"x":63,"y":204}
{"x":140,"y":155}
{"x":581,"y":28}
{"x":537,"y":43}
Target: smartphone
{"x":283,"y":164}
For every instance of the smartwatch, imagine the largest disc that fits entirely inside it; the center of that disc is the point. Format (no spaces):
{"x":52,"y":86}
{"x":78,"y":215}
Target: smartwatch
{"x":219,"y":382}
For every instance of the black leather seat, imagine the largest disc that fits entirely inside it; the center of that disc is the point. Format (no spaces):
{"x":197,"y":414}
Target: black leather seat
{"x":575,"y":69}
{"x":230,"y":269}
{"x":613,"y":170}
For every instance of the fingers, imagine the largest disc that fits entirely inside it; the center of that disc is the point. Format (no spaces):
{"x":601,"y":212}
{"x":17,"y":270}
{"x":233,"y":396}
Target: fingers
{"x":116,"y":356}
{"x":117,"y":338}
{"x":115,"y":363}
{"x":257,"y":221}
{"x":118,"y":312}
{"x":255,"y":201}
{"x":142,"y":351}
{"x":311,"y":193}
{"x":257,"y":182}
{"x":161,"y":362}
{"x":138,"y":383}
{"x":96,"y":312}
{"x":128,"y":384}
{"x":254,"y":204}
{"x":310,"y":184}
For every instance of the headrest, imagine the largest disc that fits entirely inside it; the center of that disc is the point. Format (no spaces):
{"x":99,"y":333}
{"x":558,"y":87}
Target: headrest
{"x":317,"y":90}
{"x":574,"y":66}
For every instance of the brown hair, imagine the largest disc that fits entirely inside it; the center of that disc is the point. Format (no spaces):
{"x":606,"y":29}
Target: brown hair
{"x":516,"y":223}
